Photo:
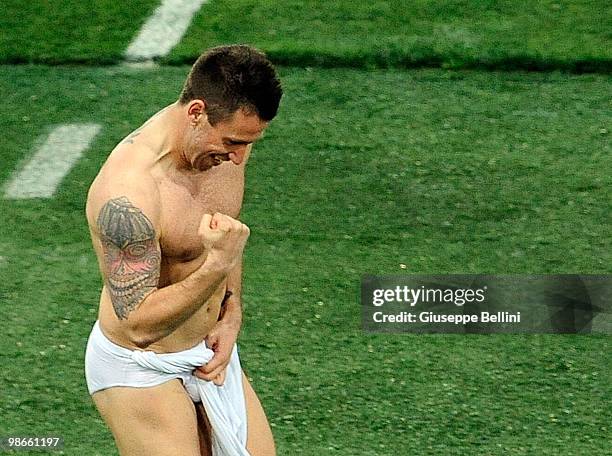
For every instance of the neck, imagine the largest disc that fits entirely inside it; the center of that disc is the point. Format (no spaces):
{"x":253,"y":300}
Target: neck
{"x":170,"y":127}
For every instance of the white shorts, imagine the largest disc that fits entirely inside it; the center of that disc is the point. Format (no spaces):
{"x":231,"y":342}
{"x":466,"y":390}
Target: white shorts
{"x":108,"y":364}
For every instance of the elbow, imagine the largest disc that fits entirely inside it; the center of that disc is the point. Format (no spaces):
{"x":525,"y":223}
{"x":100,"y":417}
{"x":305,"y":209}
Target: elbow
{"x":140,"y":336}
{"x":141,"y":341}
{"x":141,"y":330}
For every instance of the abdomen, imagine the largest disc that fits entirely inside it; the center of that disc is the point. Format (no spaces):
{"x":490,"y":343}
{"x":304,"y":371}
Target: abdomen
{"x":195,"y":329}
{"x":189,"y":334}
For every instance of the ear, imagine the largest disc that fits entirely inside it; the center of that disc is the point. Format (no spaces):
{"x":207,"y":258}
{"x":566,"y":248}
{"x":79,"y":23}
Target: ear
{"x":196,"y":111}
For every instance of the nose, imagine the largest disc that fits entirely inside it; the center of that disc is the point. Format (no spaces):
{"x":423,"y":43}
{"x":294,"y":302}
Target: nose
{"x":237,"y":156}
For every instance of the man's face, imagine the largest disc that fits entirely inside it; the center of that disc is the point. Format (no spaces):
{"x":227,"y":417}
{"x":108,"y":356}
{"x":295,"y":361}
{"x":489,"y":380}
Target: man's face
{"x":229,"y":140}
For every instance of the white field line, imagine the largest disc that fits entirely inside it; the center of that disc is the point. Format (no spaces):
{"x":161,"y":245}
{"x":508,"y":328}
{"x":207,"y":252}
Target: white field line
{"x":42,"y":174}
{"x":163,"y":30}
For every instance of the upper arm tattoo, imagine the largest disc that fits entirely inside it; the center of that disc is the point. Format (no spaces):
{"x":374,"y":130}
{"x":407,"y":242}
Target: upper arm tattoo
{"x":131,"y":255}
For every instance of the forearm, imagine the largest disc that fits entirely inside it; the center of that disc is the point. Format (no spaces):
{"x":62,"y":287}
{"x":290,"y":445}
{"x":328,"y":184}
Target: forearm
{"x":232,"y":305}
{"x":165,"y":309}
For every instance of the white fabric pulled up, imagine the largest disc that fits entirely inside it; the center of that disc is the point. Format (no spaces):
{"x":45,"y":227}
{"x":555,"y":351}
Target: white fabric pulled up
{"x":108,"y":365}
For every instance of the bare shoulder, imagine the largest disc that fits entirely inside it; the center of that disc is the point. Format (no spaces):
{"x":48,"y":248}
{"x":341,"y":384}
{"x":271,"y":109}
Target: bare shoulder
{"x":127,"y":173}
{"x":124,"y":184}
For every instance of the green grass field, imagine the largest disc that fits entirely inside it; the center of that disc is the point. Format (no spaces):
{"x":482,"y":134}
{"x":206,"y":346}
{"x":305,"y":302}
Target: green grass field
{"x":503,"y":34}
{"x":40,"y":31}
{"x":380,"y":171}
{"x":442,"y":171}
{"x":573,"y":35}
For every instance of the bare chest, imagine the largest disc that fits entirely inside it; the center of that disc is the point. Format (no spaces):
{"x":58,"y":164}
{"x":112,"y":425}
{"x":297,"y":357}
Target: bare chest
{"x":183,"y":205}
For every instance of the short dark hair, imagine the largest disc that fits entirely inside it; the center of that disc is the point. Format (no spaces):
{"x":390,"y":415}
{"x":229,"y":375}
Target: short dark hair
{"x":229,"y":78}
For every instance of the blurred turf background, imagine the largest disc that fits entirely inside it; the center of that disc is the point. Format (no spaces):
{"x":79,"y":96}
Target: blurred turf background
{"x":52,"y":32}
{"x":572,"y":35}
{"x":443,"y":171}
{"x":505,"y":34}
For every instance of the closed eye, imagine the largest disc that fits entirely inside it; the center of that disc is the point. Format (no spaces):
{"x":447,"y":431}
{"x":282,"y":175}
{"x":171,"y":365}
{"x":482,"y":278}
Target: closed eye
{"x":231,"y":142}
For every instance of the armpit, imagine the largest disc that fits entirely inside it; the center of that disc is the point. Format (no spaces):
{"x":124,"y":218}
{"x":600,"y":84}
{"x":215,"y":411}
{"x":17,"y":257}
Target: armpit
{"x":131,"y":254}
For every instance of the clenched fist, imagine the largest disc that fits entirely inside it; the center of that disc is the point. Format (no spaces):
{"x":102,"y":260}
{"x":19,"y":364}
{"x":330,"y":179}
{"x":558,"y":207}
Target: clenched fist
{"x":224,"y":238}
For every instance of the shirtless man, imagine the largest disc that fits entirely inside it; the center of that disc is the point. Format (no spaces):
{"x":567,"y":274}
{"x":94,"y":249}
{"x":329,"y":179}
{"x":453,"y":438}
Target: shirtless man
{"x":163,"y":216}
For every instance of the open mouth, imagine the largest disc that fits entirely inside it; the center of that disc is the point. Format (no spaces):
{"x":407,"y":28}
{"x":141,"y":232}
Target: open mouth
{"x":207,"y":161}
{"x":202,"y":162}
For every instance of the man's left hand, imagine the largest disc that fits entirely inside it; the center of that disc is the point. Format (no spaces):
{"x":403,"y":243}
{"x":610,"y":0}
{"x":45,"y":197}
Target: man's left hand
{"x":221,"y":340}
